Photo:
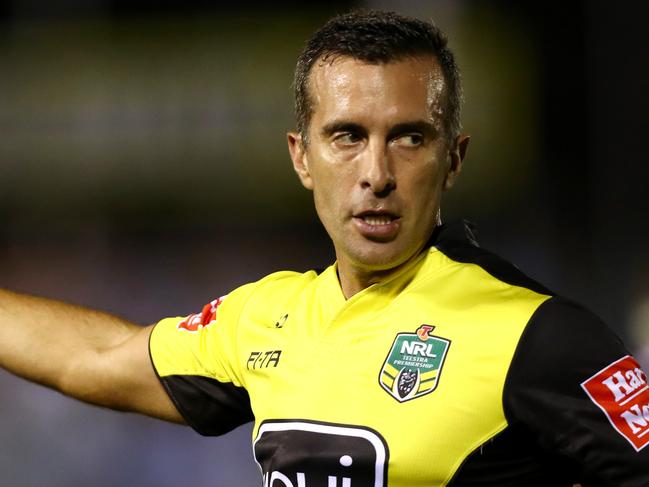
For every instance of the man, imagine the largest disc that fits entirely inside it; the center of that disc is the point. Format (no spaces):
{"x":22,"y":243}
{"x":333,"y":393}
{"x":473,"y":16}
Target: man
{"x":416,"y":359}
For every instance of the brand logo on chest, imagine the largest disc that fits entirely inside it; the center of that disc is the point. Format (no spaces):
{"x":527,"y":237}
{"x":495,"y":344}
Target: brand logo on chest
{"x":313,"y":454}
{"x":414,"y":364}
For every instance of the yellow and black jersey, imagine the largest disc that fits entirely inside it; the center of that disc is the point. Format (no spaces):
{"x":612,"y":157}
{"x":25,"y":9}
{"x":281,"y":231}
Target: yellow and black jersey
{"x":458,"y":370}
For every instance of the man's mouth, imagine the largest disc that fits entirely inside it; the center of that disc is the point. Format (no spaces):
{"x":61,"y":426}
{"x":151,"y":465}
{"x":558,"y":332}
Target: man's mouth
{"x":377,"y":225}
{"x":377,"y":219}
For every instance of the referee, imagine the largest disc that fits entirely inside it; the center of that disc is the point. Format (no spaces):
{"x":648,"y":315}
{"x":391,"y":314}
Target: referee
{"x":416,"y":359}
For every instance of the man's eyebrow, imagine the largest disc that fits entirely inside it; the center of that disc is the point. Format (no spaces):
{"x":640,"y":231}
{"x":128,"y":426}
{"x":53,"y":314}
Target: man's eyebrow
{"x":342,"y":126}
{"x":421,"y":126}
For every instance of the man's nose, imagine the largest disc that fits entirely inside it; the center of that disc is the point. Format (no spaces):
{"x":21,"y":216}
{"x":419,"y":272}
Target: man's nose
{"x":376,"y":170}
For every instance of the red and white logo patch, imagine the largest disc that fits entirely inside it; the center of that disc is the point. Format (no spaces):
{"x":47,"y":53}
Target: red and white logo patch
{"x":207,"y":316}
{"x":622,"y":392}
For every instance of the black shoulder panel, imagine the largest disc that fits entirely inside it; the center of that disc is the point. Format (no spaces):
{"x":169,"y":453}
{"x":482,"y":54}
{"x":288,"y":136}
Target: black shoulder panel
{"x":458,"y":242}
{"x":210,"y":407}
{"x":563,"y":346}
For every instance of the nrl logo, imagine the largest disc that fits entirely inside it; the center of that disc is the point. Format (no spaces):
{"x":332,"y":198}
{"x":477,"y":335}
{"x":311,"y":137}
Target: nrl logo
{"x":414,"y":364}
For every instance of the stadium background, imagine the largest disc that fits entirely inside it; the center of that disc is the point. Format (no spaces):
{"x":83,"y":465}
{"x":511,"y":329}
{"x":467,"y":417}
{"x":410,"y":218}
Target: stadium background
{"x":143,"y":171}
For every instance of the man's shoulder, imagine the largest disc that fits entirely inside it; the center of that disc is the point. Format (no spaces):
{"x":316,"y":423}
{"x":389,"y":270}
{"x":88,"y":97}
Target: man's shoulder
{"x":277,"y":286}
{"x":459,"y":243}
{"x":285,"y":279}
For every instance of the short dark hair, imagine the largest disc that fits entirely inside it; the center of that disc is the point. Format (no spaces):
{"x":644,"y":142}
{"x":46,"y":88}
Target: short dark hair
{"x":377,"y":37}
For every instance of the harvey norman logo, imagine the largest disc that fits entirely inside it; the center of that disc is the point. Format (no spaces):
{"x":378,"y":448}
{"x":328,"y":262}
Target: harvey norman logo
{"x":622,"y":392}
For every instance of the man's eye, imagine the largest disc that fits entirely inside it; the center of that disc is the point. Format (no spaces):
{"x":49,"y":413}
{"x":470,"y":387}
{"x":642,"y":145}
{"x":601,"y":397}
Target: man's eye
{"x":347,"y":138}
{"x":409,"y":140}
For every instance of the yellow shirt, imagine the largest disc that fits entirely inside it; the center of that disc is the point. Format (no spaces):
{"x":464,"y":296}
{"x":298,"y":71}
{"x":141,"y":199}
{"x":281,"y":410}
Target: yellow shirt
{"x":396,"y":386}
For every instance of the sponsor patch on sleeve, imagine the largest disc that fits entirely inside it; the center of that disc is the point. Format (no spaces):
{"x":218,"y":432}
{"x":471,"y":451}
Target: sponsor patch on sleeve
{"x":622,"y":393}
{"x":207,"y":316}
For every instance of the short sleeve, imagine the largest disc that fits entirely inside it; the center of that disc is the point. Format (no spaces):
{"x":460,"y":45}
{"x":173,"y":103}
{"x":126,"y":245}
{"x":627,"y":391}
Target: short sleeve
{"x":573,"y":384}
{"x":195,"y":358}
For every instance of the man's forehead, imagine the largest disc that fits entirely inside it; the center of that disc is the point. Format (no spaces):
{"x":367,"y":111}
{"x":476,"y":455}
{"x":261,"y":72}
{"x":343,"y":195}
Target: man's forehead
{"x":330,"y":65}
{"x":334,"y":74}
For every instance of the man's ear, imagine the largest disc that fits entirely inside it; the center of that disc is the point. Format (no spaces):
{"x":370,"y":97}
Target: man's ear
{"x":298,"y":156}
{"x":456,"y":155}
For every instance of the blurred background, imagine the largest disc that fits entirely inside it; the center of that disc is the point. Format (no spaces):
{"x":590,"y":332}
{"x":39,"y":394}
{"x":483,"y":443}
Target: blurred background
{"x":144,"y":171}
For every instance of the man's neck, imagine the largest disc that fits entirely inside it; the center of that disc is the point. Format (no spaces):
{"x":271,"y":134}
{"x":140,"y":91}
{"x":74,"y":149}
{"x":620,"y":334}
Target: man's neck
{"x":354,"y":279}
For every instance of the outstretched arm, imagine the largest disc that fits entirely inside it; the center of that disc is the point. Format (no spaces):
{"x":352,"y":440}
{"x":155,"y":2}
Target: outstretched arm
{"x":86,"y":354}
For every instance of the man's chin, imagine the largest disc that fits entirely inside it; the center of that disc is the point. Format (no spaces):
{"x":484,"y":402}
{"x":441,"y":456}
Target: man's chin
{"x":382,"y":258}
